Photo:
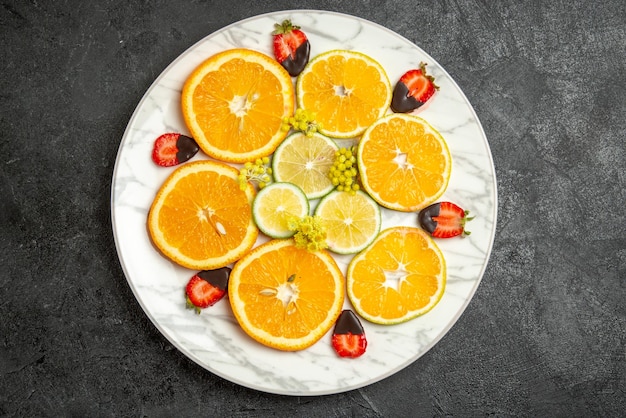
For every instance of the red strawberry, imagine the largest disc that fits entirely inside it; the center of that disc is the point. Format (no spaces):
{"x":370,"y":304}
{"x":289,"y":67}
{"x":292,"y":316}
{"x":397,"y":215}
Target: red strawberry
{"x":349,"y":337}
{"x":207,"y":287}
{"x":172,"y":149}
{"x":413,"y":90}
{"x":291,"y":47}
{"x":444,"y":220}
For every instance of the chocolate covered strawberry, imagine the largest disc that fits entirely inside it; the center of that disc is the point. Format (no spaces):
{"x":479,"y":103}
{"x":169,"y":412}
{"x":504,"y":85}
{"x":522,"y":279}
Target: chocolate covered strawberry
{"x":413,"y":89}
{"x":444,"y":220}
{"x":173,"y":148}
{"x":348,"y":336}
{"x":291,"y":47}
{"x":206,"y":288}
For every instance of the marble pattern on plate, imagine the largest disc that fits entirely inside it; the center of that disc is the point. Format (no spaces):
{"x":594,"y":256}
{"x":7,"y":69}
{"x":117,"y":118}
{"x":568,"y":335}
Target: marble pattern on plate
{"x":213,"y":339}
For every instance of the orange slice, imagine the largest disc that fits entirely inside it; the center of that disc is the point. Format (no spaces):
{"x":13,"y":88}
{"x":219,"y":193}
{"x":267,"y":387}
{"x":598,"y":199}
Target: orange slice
{"x":400,"y":276}
{"x":404,"y":162}
{"x":234,"y":102}
{"x":285,"y":297}
{"x":347,"y":90}
{"x":200,"y":218}
{"x":352,"y":221}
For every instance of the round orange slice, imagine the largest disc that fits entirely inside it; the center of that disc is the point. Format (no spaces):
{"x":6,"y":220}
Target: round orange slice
{"x":347,"y":90}
{"x":234,"y":103}
{"x":285,"y":297}
{"x":404,"y":162}
{"x":400,"y":276}
{"x":201,"y":218}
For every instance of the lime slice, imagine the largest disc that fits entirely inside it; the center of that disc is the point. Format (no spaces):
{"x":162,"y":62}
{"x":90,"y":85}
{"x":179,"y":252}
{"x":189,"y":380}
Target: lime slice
{"x":275,"y":205}
{"x":305,"y":161}
{"x":352,"y":221}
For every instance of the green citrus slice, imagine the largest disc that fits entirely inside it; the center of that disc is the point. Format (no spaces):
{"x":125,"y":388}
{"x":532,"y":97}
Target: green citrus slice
{"x":275,"y":205}
{"x":352,"y":221}
{"x":305,"y":161}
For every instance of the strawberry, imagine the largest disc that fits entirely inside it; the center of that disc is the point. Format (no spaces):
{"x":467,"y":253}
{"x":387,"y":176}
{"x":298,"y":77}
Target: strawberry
{"x":413,"y":89}
{"x":291,"y":47}
{"x":348,"y":336}
{"x":207,"y":287}
{"x":444,"y":220}
{"x":172,"y":149}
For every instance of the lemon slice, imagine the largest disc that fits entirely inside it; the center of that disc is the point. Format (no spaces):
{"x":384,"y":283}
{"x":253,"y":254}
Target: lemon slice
{"x":352,"y":221}
{"x":277,"y":204}
{"x":305,"y":161}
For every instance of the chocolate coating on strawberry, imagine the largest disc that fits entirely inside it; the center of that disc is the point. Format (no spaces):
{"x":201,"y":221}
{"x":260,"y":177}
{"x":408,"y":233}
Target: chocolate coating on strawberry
{"x":218,"y":277}
{"x":187,"y":148}
{"x":348,"y":322}
{"x":348,"y":338}
{"x":426,"y":216}
{"x":173,"y":148}
{"x":401,"y":101}
{"x":294,"y":65}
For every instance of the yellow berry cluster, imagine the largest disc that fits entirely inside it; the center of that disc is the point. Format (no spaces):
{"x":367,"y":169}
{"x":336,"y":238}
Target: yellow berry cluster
{"x":257,"y":171}
{"x":344,"y":171}
{"x":310,"y":233}
{"x":303,"y":121}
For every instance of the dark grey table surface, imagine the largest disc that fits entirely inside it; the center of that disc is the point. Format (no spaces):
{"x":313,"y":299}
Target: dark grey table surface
{"x":545,"y":333}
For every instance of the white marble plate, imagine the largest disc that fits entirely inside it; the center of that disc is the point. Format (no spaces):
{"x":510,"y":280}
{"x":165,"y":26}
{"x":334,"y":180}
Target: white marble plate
{"x":213,"y":339}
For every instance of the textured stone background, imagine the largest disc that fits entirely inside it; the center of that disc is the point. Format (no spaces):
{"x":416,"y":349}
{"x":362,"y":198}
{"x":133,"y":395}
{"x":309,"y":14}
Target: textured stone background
{"x":545,"y":334}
